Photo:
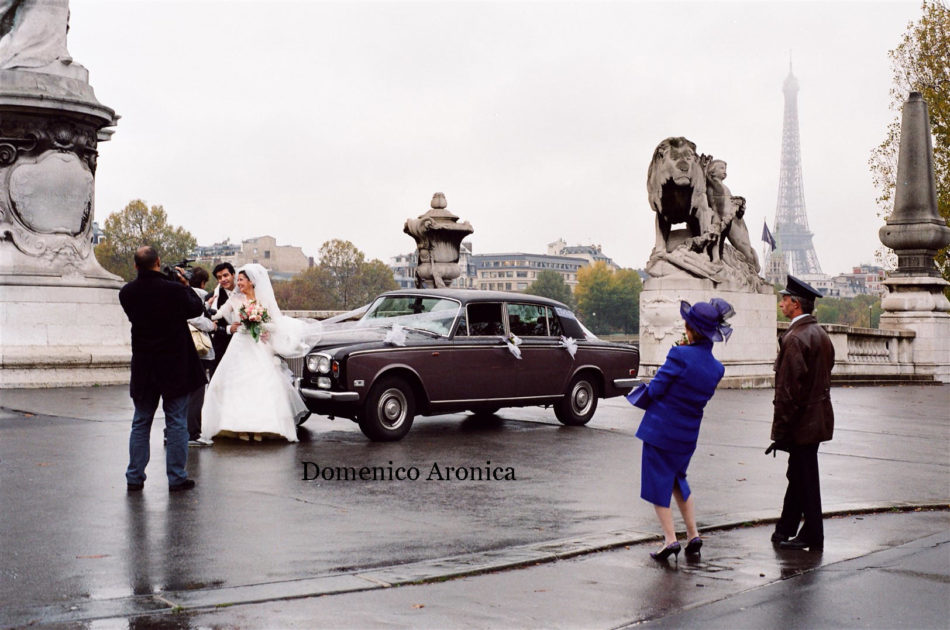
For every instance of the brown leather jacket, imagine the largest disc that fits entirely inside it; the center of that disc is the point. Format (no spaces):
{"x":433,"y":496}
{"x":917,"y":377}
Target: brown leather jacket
{"x":803,"y":413}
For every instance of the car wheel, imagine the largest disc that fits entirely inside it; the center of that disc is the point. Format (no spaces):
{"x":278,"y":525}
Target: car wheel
{"x":389,"y":410}
{"x":579,"y":402}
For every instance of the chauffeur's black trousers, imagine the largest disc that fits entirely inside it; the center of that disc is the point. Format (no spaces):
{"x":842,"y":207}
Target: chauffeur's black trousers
{"x":803,"y":496}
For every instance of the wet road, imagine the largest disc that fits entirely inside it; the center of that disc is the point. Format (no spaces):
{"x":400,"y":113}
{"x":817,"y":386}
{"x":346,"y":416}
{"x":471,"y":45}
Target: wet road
{"x":255,"y":530}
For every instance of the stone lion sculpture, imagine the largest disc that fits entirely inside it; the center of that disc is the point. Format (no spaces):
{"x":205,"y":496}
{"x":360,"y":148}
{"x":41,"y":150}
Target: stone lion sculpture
{"x":686,"y":187}
{"x":676,"y":188}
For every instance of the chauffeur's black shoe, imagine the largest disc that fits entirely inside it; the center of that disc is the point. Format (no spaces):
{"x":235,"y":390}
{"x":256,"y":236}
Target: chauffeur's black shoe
{"x":778,"y":538}
{"x":797,"y":544}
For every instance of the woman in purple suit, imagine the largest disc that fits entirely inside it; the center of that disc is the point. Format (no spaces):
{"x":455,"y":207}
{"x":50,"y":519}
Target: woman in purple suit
{"x":674,"y":402}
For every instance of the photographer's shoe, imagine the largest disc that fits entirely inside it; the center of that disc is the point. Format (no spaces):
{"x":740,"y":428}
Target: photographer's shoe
{"x":187,"y":484}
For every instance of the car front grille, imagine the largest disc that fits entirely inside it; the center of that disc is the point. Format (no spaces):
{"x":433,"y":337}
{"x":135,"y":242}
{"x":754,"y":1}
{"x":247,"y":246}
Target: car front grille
{"x":296,"y":365}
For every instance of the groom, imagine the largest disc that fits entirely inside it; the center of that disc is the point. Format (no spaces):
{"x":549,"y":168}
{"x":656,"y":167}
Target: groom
{"x":165,"y":365}
{"x":221,"y":337}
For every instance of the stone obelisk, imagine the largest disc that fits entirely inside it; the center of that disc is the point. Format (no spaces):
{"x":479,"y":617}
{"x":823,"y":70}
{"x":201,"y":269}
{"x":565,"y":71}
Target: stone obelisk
{"x":916,"y":231}
{"x":60,"y":320}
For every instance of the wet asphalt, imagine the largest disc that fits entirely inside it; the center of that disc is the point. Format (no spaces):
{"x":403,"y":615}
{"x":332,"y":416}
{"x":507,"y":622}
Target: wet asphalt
{"x":561,"y":544}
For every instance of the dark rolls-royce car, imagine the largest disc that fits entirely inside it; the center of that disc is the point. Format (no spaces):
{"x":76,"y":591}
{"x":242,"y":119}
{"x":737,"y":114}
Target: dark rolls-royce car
{"x":434,"y":351}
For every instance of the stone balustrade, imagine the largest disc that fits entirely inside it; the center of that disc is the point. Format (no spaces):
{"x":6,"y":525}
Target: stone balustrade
{"x":871,"y":356}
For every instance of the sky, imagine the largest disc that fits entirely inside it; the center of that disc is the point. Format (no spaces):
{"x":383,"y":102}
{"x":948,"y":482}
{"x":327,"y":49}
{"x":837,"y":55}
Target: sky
{"x":310,"y":121}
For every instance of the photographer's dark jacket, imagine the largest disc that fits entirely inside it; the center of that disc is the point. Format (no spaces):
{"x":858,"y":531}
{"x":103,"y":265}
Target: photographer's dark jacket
{"x":163,"y":355}
{"x":803,"y":413}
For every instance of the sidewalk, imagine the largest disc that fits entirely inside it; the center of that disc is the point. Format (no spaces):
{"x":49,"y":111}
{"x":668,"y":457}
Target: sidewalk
{"x":890,"y":571}
{"x":253,"y":533}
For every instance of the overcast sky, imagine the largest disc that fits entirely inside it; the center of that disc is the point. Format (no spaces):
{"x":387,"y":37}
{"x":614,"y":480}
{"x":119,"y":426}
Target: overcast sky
{"x":316,"y":120}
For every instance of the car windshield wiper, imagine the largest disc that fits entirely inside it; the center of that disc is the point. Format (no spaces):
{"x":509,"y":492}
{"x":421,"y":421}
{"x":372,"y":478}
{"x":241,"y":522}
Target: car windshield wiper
{"x":423,"y":331}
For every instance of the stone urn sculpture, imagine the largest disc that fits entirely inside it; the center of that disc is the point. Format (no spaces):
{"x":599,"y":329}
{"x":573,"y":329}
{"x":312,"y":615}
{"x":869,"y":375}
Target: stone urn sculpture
{"x":439,"y":238}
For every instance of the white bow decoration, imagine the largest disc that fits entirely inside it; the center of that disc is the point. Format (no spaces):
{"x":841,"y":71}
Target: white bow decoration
{"x":396,"y":335}
{"x":569,"y":344}
{"x":513,"y":341}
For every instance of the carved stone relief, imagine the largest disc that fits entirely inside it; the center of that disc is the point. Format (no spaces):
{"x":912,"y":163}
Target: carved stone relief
{"x":53,"y":194}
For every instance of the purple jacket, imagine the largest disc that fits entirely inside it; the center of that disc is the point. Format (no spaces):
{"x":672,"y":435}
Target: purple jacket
{"x":675,"y":398}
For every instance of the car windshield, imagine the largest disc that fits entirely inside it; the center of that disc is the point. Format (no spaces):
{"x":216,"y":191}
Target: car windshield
{"x":415,"y":312}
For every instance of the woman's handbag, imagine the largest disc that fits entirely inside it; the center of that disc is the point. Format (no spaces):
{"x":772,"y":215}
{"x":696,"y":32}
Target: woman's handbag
{"x":201,"y":340}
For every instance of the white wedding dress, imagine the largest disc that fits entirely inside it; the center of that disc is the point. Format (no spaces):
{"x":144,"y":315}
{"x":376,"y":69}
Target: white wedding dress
{"x":252,"y":391}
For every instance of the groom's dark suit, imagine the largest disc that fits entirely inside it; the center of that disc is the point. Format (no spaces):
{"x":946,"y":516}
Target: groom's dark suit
{"x":220,"y":338}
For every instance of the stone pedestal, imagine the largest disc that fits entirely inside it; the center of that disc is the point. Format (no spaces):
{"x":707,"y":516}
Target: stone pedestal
{"x":918,"y":304}
{"x":60,"y":319}
{"x":58,"y":336}
{"x":749,"y":354}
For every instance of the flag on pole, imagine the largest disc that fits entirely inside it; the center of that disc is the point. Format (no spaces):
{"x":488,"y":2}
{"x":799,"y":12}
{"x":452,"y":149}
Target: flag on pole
{"x":767,"y":236}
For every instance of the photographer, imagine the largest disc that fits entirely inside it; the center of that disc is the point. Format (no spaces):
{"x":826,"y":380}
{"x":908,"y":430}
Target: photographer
{"x":164,"y":365}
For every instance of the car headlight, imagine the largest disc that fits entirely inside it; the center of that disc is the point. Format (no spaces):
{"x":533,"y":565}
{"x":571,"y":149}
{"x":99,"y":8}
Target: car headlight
{"x":318,"y":363}
{"x":323,"y":382}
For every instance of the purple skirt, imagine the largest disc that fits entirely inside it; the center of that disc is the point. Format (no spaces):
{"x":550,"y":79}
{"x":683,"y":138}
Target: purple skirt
{"x":659,"y":470}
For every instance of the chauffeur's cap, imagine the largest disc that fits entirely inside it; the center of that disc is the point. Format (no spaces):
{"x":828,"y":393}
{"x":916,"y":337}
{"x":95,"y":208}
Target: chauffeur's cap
{"x":799,"y":288}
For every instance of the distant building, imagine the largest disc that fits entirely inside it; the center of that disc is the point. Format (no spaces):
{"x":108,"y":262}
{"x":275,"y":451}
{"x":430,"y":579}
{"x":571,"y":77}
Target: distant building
{"x":863,"y":280}
{"x":590,"y":253}
{"x":97,"y":235}
{"x":282,"y":261}
{"x":404,"y":269}
{"x":218,"y":251}
{"x":776,"y":269}
{"x":516,"y":271}
{"x":822,"y":282}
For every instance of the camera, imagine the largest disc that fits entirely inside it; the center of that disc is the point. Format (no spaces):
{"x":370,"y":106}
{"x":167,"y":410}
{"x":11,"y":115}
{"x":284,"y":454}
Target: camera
{"x":172,"y":274}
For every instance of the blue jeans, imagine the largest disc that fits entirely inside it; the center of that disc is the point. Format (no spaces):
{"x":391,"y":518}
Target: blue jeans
{"x":176,"y":434}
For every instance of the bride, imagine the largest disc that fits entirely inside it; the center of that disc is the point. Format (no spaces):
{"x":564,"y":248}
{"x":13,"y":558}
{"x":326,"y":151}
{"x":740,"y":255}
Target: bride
{"x":252,"y":393}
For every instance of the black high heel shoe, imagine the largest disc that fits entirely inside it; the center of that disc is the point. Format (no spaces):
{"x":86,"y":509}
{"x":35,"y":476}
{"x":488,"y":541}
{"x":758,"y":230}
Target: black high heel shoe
{"x":663,"y":554}
{"x":693,"y":546}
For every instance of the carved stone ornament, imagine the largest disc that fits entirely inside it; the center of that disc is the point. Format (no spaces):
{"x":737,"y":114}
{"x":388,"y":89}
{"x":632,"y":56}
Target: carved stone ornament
{"x":52,"y":195}
{"x":686,"y":187}
{"x":439,"y":238}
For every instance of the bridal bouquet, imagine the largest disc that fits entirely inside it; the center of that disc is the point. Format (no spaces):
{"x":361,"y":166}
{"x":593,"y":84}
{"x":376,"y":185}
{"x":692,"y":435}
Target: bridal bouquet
{"x":253,"y":316}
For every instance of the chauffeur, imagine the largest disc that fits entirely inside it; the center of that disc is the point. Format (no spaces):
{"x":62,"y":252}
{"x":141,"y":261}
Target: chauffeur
{"x":803,"y":415}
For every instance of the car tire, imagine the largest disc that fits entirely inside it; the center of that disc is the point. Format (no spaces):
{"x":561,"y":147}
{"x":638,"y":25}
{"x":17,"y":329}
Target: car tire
{"x":389,"y":410}
{"x":579,"y":402}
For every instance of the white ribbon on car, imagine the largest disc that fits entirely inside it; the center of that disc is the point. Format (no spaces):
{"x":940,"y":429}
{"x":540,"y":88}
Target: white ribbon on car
{"x":396,"y":335}
{"x":513,"y":341}
{"x":569,"y":344}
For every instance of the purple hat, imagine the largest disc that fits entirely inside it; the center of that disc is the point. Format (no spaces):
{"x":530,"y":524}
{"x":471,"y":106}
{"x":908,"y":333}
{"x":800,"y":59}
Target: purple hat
{"x":709,"y":318}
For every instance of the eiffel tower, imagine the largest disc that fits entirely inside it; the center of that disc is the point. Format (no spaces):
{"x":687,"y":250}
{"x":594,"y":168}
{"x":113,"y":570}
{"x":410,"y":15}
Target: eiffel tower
{"x":792,"y":236}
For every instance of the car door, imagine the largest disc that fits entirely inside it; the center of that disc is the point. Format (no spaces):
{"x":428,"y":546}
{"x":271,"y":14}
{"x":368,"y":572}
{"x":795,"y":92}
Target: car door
{"x":545,"y":364}
{"x":482,"y":368}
